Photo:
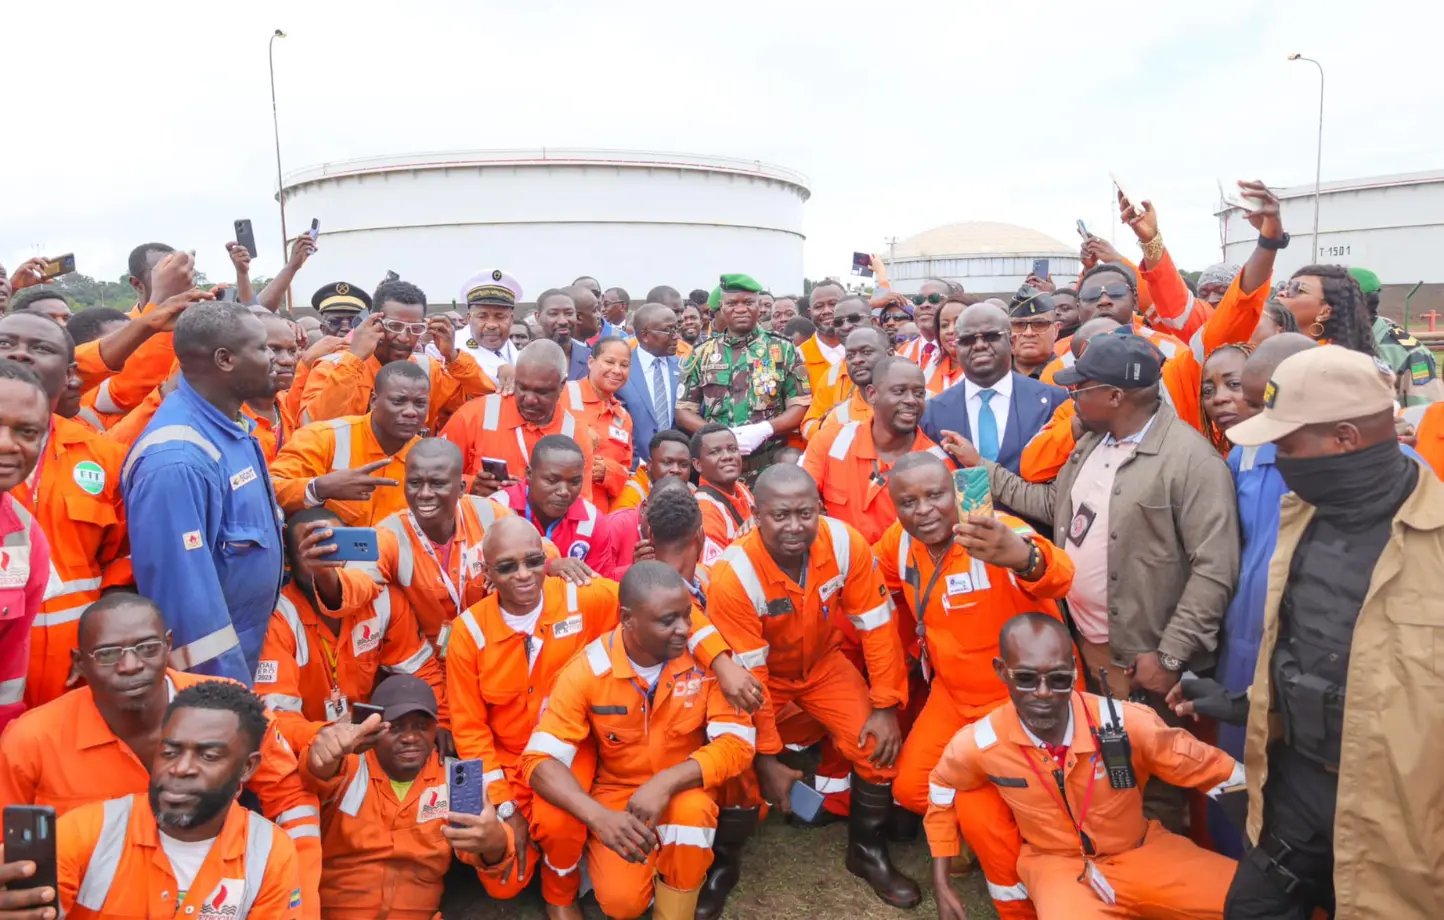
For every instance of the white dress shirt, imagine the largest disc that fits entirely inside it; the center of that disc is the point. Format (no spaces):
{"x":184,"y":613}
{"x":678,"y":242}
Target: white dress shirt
{"x":833,"y":353}
{"x":645,"y":360}
{"x":1000,"y":403}
{"x":490,"y":361}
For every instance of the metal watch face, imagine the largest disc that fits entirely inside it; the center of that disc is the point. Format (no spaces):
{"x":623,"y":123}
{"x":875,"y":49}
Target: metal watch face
{"x":505,"y":810}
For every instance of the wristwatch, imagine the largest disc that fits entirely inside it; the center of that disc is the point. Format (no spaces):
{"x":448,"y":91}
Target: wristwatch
{"x":1169,"y":662}
{"x":1268,"y":242}
{"x":505,"y":810}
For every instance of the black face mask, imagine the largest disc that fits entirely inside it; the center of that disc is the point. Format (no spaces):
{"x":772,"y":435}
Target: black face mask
{"x":1362,"y":485}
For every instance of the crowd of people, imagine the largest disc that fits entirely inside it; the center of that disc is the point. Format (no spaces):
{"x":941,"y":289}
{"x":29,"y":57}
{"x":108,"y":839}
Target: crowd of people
{"x":656,"y":568}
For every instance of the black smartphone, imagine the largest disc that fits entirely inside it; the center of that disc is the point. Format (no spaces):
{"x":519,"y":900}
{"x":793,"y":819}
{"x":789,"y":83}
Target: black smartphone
{"x":229,"y":294}
{"x":246,"y":236}
{"x":60,"y":265}
{"x":315,"y":228}
{"x":496,"y":469}
{"x":360,"y":712}
{"x":862,"y":264}
{"x":1040,"y":269}
{"x":30,"y":835}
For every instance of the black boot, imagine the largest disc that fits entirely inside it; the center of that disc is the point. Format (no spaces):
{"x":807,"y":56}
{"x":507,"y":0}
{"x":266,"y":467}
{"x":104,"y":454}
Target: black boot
{"x":867,"y":856}
{"x":902,"y":825}
{"x":734,"y":826}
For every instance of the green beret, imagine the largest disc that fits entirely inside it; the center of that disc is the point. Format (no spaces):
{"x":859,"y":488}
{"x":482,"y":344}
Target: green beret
{"x":714,"y":299}
{"x":1368,"y":281}
{"x":731,"y":284}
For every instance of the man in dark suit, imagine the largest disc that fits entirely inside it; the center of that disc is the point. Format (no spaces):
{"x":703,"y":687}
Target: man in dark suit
{"x":995,"y":407}
{"x":650,"y":393}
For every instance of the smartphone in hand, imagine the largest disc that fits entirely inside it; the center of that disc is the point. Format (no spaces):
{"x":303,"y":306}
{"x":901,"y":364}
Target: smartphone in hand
{"x":30,"y":836}
{"x":862,"y":264}
{"x":246,"y":236}
{"x":60,"y":265}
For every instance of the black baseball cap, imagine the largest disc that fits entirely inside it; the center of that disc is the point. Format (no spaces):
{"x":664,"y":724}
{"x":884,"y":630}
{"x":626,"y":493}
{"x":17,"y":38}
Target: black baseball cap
{"x":401,"y":694}
{"x":1116,"y":359}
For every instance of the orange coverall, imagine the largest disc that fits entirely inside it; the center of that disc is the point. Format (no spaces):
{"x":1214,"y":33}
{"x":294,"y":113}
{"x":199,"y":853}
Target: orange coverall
{"x":75,"y":495}
{"x":91,"y":366}
{"x":146,"y":368}
{"x":340,"y":444}
{"x":308,"y":678}
{"x":1429,"y":439}
{"x":723,"y":518}
{"x":836,"y":388}
{"x":784,"y":634}
{"x":853,"y":409}
{"x":136,"y":880}
{"x":126,"y":428}
{"x":341,"y":384}
{"x":942,"y":374}
{"x":386,"y":857}
{"x":611,"y":428}
{"x":638,"y":487}
{"x":62,"y":754}
{"x":849,"y":474}
{"x":818,"y":365}
{"x":1153,"y":872}
{"x":500,"y":692}
{"x":274,"y":432}
{"x":406,"y":558}
{"x":493,"y":429}
{"x":638,"y":734}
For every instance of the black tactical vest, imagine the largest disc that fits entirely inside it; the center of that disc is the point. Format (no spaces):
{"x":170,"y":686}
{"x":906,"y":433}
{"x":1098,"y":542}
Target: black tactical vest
{"x":1328,"y":579}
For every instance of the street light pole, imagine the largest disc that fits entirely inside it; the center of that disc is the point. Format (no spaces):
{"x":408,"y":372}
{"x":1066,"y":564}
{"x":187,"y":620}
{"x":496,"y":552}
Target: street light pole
{"x":1319,"y":149}
{"x":276,"y":128}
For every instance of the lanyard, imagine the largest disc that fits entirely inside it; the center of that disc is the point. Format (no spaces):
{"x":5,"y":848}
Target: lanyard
{"x":1029,"y":752}
{"x":32,"y":482}
{"x":457,"y":592}
{"x":526,"y":510}
{"x":332,"y":656}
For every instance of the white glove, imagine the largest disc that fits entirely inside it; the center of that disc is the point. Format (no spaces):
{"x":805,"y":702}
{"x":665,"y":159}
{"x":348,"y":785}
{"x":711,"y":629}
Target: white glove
{"x":750,"y":437}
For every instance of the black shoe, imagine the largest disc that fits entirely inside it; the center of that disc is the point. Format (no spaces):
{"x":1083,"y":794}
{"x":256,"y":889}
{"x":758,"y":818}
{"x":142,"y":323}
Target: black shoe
{"x":867,"y":856}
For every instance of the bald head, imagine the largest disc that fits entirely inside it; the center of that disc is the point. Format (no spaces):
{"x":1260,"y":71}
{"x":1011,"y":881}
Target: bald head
{"x":649,"y":313}
{"x":434,"y":449}
{"x":991,"y":312}
{"x":865,"y":334}
{"x":543,"y":354}
{"x":511,"y":532}
{"x":1029,"y":630}
{"x":783,"y":479}
{"x":1273,"y":350}
{"x":998,"y":302}
{"x":1099,"y":325}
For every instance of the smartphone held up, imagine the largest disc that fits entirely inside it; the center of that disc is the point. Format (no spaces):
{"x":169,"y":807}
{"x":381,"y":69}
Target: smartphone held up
{"x":862,"y":264}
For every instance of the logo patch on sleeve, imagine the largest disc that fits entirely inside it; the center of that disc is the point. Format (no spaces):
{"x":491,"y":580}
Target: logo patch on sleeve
{"x":191,"y":539}
{"x":266,"y":672}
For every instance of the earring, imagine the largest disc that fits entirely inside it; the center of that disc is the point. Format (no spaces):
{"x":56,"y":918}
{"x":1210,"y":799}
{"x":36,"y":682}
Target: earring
{"x":1316,"y":331}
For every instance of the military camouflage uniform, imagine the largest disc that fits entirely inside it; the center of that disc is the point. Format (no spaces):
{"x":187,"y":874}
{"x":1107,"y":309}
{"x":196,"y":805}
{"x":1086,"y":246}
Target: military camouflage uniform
{"x":1415,"y":372}
{"x":738,"y":381}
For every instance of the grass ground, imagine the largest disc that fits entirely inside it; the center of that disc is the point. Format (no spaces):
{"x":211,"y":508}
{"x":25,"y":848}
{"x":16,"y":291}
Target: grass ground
{"x":788,"y":873}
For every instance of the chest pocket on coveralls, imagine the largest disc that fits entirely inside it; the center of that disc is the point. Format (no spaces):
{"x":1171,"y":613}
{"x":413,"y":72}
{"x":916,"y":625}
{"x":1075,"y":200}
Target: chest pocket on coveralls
{"x":686,"y":719}
{"x":92,"y":511}
{"x":503,"y":676}
{"x":239,"y":546}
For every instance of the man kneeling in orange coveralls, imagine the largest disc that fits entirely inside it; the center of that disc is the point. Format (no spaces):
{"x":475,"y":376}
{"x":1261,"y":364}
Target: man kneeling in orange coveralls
{"x":1086,"y":849}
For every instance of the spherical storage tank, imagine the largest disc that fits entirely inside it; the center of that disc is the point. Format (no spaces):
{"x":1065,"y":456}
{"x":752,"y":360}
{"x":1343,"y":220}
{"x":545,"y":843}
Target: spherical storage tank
{"x":632,"y":219}
{"x":982,"y":256}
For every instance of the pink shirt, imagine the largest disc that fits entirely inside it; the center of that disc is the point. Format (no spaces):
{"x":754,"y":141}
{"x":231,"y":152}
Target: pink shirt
{"x":1093,"y":490}
{"x":24,"y":573}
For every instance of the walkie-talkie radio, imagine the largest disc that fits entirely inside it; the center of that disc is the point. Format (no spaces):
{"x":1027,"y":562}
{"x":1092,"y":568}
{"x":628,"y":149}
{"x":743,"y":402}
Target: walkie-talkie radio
{"x":1113,"y":742}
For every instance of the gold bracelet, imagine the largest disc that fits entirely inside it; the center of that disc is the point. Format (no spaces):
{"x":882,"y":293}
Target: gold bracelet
{"x":1153,"y":250}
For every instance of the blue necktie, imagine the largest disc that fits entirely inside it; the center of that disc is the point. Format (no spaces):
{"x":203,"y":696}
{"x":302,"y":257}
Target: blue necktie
{"x":987,"y":427}
{"x":661,"y":407}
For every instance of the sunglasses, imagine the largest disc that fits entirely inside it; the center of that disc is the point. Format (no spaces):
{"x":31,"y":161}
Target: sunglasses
{"x":1057,"y":681}
{"x":968,"y":341}
{"x":919,"y":299}
{"x":1293,"y":289}
{"x":340,"y":325}
{"x":1075,"y":392}
{"x":396,"y":327}
{"x":1033,"y":325}
{"x":509,"y":567}
{"x":855,"y":318}
{"x":108,"y":656}
{"x":1115,"y":291}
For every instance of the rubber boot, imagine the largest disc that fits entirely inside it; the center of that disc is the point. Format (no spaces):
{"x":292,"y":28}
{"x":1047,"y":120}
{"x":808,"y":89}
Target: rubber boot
{"x":734,"y":826}
{"x":902,"y":825}
{"x":867,"y":856}
{"x":670,"y":904}
{"x":572,"y":911}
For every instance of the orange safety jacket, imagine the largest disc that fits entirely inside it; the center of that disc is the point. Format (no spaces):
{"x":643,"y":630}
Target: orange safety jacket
{"x":340,"y":444}
{"x":997,"y":751}
{"x":64,"y":755}
{"x":1063,"y":350}
{"x":638,"y":487}
{"x":341,"y":384}
{"x":493,"y":429}
{"x":309,"y":675}
{"x":274,"y":431}
{"x":125,"y":429}
{"x":611,"y":429}
{"x":818,"y":365}
{"x":146,"y":368}
{"x":640,"y":733}
{"x":942,"y":374}
{"x":779,"y":630}
{"x":407,"y":559}
{"x":386,"y":857}
{"x":74,"y":493}
{"x":962,"y":603}
{"x":723,"y":516}
{"x":90,"y":366}
{"x":850,"y":475}
{"x":853,"y":409}
{"x":836,"y":388}
{"x":110,"y":864}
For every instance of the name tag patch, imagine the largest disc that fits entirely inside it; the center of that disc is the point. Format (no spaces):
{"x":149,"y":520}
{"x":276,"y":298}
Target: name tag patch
{"x":619,"y":434}
{"x":961,"y":583}
{"x":829,"y":588}
{"x":435,"y":803}
{"x":568,"y":627}
{"x":244,"y":476}
{"x":266,"y":672}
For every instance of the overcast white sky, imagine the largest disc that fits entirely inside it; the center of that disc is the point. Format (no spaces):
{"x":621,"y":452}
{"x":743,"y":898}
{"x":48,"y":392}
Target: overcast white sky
{"x":152,"y":121}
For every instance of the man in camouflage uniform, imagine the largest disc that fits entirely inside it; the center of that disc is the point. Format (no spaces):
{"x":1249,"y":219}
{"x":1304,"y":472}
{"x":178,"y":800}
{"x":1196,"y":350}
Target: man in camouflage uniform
{"x":1416,"y":375}
{"x":748,"y":379}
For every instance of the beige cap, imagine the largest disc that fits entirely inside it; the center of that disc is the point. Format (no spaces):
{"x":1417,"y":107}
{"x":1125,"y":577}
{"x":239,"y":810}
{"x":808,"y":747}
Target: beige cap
{"x":1325,"y":384}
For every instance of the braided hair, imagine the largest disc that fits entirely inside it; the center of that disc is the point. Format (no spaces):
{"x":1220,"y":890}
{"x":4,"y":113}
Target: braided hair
{"x":1349,"y":323}
{"x":1211,"y":431}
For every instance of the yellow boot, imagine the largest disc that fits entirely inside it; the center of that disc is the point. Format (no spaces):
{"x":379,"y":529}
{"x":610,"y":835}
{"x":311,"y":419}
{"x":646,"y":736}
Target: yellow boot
{"x":670,"y":904}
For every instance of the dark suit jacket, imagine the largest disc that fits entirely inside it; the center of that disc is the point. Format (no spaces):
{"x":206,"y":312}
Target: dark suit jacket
{"x":637,"y":397}
{"x":581,"y":353}
{"x":1032,"y":405}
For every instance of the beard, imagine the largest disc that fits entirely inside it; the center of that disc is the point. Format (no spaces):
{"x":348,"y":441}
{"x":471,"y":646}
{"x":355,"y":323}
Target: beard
{"x":207,"y":806}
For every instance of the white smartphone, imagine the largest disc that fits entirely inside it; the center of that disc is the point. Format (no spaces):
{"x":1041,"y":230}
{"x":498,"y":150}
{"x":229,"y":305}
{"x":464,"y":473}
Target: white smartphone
{"x":1233,"y":197}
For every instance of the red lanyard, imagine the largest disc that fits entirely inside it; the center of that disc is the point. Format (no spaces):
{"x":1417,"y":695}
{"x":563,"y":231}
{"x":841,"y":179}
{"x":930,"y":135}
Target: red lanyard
{"x":1084,"y":843}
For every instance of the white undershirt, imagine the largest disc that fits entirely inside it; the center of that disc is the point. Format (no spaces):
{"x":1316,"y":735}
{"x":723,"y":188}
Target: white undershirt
{"x":833,"y":353}
{"x":526,"y":626}
{"x":650,"y":675}
{"x":186,"y":859}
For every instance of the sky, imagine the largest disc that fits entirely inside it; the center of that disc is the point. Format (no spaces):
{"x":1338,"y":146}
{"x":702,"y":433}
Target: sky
{"x":903,"y":116}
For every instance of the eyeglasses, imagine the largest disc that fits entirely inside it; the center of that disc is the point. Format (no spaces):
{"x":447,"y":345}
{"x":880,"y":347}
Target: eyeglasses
{"x":1057,"y":681}
{"x":396,"y":327}
{"x":1073,"y":393}
{"x":855,"y":318}
{"x":968,"y":341}
{"x":509,"y":567}
{"x":919,"y":299}
{"x":1033,"y":325}
{"x":108,"y":656}
{"x":1115,"y":291}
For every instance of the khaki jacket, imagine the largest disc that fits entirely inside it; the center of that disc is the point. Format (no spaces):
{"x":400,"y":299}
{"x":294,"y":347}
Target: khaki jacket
{"x":1388,"y":842}
{"x":1174,"y":520}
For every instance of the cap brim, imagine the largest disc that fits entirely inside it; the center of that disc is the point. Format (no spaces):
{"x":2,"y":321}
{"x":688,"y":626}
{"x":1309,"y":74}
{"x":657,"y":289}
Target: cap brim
{"x":1069,"y":376}
{"x":1261,"y":430}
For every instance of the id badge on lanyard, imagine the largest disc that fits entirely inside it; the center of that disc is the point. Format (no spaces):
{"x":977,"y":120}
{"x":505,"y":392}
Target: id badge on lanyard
{"x":457,"y":592}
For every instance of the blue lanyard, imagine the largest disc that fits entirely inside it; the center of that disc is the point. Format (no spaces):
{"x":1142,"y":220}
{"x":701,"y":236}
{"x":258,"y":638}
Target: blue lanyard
{"x":526,"y":497}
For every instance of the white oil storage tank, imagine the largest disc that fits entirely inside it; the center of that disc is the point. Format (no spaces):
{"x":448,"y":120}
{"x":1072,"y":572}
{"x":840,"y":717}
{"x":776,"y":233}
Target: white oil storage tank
{"x":631,"y":219}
